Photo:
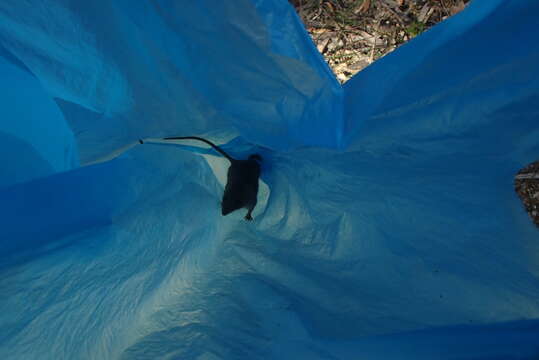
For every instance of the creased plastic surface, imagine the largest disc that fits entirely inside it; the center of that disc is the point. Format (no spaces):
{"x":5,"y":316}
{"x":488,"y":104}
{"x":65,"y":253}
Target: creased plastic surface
{"x":35,"y":140}
{"x":387,"y":225}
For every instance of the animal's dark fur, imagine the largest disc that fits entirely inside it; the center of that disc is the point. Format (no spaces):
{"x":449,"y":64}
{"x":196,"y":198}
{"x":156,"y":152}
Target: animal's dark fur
{"x":241,"y":188}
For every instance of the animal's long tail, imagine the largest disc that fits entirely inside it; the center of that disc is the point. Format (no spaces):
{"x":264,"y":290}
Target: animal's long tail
{"x":217,"y":148}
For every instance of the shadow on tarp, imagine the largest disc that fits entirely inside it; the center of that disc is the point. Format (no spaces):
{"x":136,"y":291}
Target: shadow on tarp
{"x":46,"y":210}
{"x":504,"y":340}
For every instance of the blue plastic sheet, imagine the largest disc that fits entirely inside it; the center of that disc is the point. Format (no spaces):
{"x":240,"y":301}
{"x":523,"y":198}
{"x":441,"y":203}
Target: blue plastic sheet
{"x":35,"y":140}
{"x":387,"y":224}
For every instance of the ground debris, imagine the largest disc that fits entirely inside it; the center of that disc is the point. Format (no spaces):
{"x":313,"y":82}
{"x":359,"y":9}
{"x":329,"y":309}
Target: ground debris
{"x":351,"y":34}
{"x":527,"y":188}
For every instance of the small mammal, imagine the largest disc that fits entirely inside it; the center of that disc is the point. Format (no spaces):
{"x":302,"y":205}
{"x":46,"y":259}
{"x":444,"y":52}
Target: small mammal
{"x":241,"y":188}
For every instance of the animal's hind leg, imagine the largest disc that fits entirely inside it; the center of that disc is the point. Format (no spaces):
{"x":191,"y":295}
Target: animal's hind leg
{"x":250,"y":209}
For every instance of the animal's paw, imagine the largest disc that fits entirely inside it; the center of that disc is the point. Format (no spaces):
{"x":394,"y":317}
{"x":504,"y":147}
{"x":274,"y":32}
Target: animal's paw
{"x":248,"y":217}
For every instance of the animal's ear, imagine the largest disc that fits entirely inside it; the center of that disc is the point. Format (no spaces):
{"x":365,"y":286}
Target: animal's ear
{"x":255,"y":157}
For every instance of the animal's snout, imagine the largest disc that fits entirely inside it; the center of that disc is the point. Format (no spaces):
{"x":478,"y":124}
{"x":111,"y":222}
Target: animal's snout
{"x":227,"y":207}
{"x":230,"y":204}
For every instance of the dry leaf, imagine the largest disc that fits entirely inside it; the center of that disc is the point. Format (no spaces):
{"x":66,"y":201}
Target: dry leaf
{"x":401,"y":2}
{"x":364,"y":7}
{"x":423,"y":13}
{"x":330,"y":6}
{"x":457,"y":8}
{"x":317,"y":30}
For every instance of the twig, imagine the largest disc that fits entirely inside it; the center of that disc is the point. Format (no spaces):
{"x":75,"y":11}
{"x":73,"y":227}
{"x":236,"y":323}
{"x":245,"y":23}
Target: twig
{"x":527,"y":177}
{"x":393,"y":12}
{"x":373,"y":47}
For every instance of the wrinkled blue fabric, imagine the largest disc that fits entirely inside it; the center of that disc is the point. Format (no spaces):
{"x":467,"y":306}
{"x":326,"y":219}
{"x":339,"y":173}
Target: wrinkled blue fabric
{"x":387,"y":225}
{"x":35,"y":140}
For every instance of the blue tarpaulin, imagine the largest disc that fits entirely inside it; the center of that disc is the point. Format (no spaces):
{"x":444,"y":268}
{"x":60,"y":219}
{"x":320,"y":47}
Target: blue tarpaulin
{"x":387,"y":226}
